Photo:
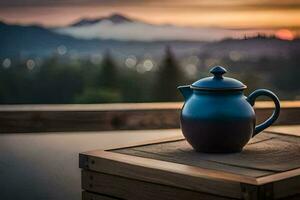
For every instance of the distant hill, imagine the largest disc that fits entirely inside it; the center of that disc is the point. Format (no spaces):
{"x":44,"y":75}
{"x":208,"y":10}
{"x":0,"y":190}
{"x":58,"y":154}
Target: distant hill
{"x":16,"y":40}
{"x":255,"y":47}
{"x":27,"y":41}
{"x":24,"y":41}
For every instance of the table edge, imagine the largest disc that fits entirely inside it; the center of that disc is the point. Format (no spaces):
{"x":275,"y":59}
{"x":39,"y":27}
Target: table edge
{"x":196,"y":171}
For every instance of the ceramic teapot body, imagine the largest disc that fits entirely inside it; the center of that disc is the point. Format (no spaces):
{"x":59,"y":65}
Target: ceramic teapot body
{"x":221,"y":119}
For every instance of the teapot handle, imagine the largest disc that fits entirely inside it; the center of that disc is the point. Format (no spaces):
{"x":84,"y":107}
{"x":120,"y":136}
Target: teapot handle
{"x":251,"y":99}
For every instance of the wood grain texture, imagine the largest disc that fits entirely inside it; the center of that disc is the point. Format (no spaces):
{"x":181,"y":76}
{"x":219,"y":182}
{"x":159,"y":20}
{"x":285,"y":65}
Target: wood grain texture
{"x":287,"y":130}
{"x":195,"y":160}
{"x":57,"y":121}
{"x":278,"y":176}
{"x":136,"y":190}
{"x":160,"y":172}
{"x":266,"y":153}
{"x":95,"y":117}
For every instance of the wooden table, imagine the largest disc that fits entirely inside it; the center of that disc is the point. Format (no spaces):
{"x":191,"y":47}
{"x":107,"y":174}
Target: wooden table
{"x":268,"y":168}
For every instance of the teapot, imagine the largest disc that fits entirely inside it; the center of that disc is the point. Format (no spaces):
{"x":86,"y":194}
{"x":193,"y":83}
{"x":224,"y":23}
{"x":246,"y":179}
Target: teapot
{"x":216,"y":116}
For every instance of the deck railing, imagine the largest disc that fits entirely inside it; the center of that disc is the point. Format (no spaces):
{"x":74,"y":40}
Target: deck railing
{"x":99,"y":117}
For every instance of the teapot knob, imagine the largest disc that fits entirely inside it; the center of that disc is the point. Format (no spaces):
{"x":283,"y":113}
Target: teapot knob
{"x":218,"y":71}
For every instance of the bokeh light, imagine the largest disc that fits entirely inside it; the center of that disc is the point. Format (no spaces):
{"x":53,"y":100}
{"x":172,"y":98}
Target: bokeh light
{"x":6,"y":63}
{"x":148,"y":65}
{"x":191,"y":70}
{"x":131,"y":61}
{"x":30,"y":64}
{"x":62,"y":50}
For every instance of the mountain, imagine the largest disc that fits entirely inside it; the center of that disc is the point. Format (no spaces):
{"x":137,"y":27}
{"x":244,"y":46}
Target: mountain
{"x":27,"y":41}
{"x":24,"y":41}
{"x":114,"y":18}
{"x":16,"y":39}
{"x":30,"y":41}
{"x":119,"y":27}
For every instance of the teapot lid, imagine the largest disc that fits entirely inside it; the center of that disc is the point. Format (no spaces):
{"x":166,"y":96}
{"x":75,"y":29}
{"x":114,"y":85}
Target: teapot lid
{"x":218,"y":81}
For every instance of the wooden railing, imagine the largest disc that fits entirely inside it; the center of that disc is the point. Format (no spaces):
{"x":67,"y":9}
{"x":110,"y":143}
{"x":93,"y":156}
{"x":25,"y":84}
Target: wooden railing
{"x":95,"y":117}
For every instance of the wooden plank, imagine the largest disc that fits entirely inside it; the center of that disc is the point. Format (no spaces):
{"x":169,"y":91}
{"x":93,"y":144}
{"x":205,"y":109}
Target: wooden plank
{"x":136,"y":190}
{"x":96,"y":161}
{"x":173,"y":174}
{"x":124,"y":106}
{"x":95,"y":117}
{"x":288,"y":115}
{"x":278,"y":176}
{"x":283,"y":104}
{"x":192,"y":158}
{"x":56,"y":121}
{"x":266,"y":152}
{"x":99,"y":107}
{"x":178,"y":137}
{"x":92,"y":196}
{"x":288,"y":130}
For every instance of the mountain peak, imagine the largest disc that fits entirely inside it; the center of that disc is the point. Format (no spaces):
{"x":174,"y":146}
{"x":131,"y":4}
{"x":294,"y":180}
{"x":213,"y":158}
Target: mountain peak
{"x":114,"y":18}
{"x":117,"y":18}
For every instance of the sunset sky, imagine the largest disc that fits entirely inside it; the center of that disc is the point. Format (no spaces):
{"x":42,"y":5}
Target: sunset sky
{"x":225,"y":13}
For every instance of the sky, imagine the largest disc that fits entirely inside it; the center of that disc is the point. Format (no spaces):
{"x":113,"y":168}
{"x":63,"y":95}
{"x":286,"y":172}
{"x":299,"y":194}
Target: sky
{"x":237,"y":14}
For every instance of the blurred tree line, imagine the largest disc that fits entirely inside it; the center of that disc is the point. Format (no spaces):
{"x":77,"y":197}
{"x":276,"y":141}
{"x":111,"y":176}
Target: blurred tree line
{"x":82,"y":81}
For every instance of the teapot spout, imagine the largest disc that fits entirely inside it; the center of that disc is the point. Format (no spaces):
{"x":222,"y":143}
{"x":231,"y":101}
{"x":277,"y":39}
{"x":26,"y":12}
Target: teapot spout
{"x":186,"y":91}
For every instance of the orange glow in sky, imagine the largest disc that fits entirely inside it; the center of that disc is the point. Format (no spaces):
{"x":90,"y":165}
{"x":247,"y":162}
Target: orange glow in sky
{"x":285,"y":34}
{"x":281,"y":16}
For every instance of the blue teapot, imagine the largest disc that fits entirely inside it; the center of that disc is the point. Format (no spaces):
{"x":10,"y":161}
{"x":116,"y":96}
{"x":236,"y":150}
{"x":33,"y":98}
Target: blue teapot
{"x":216,"y":116}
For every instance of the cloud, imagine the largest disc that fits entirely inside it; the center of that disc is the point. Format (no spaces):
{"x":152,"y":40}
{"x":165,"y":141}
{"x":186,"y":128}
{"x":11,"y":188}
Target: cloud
{"x":138,"y":31}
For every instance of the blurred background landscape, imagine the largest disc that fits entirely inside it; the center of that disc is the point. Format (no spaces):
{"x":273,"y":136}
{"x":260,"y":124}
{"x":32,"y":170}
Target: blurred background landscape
{"x":107,"y":51}
{"x":140,"y":51}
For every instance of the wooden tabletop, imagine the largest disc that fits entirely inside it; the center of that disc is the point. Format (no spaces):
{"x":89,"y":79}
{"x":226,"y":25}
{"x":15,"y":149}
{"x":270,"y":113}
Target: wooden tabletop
{"x":287,"y":130}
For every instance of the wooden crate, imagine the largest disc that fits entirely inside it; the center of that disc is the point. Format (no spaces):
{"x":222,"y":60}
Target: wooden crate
{"x":268,"y":168}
